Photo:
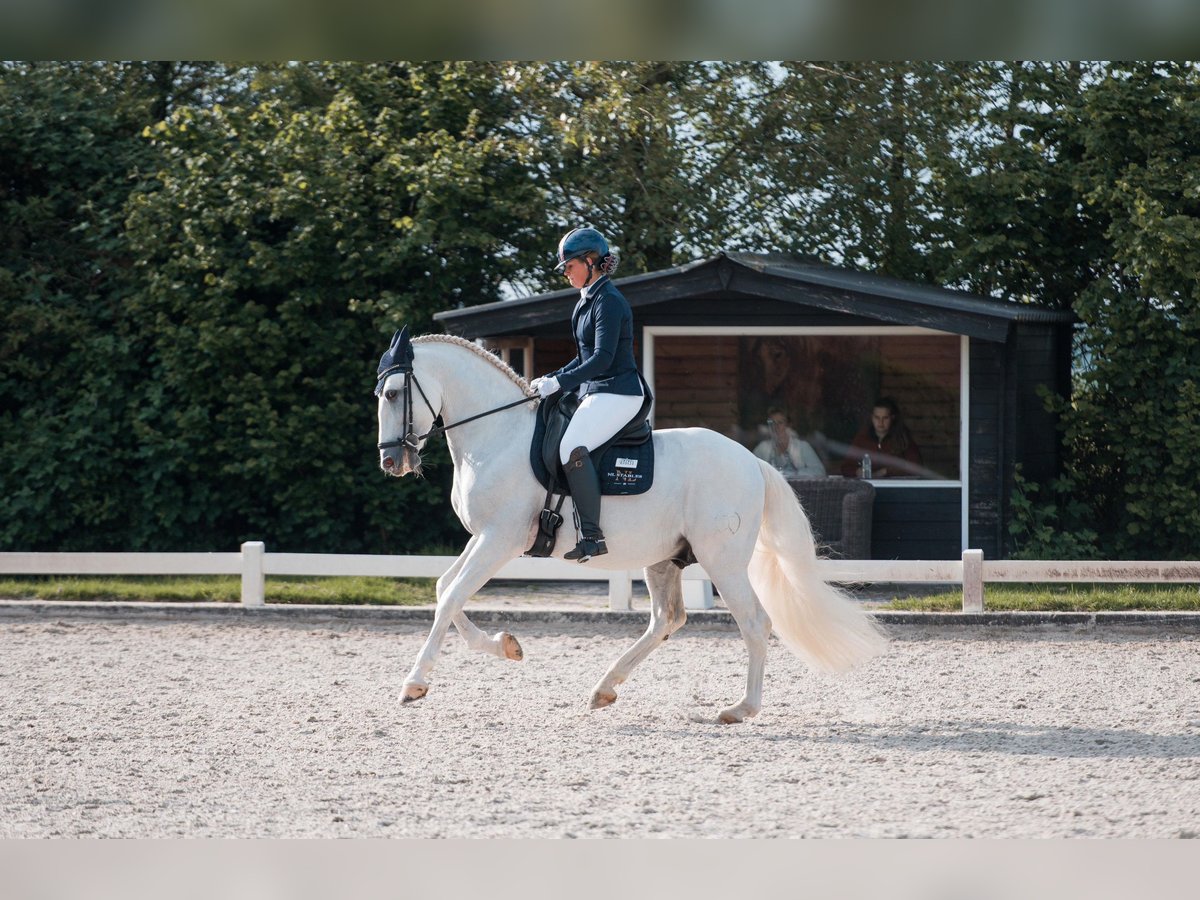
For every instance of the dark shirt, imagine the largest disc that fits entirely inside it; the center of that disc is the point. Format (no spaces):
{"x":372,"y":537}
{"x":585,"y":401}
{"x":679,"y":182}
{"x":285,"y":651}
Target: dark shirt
{"x":602,"y":324}
{"x":884,"y":455}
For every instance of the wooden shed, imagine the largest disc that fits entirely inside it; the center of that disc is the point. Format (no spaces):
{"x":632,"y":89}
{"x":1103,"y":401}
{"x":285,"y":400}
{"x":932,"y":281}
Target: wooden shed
{"x":724,"y":339}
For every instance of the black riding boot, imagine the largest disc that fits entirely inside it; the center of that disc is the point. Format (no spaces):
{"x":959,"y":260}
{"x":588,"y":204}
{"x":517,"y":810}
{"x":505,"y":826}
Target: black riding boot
{"x":585,"y":492}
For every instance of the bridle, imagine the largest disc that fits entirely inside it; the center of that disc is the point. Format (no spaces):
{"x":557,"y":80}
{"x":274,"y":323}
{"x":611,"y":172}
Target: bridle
{"x":411,"y":439}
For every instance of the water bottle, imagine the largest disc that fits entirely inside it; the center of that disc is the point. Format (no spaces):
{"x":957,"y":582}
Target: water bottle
{"x":866,"y":466}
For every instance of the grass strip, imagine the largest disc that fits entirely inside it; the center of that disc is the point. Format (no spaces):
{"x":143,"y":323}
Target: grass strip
{"x":1062,"y":598}
{"x":222,"y":589}
{"x":420,"y":591}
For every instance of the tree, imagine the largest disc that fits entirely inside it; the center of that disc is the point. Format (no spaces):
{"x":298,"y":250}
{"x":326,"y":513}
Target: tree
{"x":850,"y":175}
{"x":279,"y":242}
{"x":651,"y":153}
{"x":1017,"y":227}
{"x":1134,"y":422}
{"x":68,"y":358}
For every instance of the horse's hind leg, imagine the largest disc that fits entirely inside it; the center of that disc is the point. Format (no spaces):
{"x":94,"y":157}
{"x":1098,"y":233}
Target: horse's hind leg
{"x":480,"y":560}
{"x":501,"y":644}
{"x":666,"y":616}
{"x":755,"y":627}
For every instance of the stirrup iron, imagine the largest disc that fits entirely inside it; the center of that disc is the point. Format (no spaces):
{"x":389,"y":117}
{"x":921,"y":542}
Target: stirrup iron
{"x":586,"y":549}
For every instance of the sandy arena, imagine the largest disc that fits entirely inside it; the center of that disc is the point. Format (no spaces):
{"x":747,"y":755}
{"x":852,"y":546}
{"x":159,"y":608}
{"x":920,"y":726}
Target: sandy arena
{"x":210,"y":728}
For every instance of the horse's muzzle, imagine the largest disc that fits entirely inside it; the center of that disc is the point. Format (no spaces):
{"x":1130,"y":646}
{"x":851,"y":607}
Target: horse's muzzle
{"x":400,"y":461}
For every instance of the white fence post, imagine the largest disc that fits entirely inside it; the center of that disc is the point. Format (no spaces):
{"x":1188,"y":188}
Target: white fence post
{"x":254,"y":587}
{"x":972,"y":583}
{"x":620,"y":591}
{"x":698,"y":594}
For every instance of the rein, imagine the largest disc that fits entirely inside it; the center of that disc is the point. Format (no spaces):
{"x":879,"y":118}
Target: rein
{"x":412,"y":440}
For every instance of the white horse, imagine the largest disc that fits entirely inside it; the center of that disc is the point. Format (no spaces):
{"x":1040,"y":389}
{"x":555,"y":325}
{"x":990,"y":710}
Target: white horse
{"x":738,"y":515}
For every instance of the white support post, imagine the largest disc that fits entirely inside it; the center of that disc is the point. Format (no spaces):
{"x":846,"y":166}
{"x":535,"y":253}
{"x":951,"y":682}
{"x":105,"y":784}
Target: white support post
{"x":620,"y":591}
{"x":254,"y":587}
{"x":698,"y":594}
{"x":972,"y":583}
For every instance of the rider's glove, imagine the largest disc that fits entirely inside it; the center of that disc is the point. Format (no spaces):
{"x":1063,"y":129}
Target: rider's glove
{"x":545,"y":386}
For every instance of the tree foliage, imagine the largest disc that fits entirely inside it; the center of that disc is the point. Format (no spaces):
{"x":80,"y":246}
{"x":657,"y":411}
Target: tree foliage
{"x":69,"y":368}
{"x":267,"y":248}
{"x":651,"y":153}
{"x":849,"y":171}
{"x":1134,"y":422}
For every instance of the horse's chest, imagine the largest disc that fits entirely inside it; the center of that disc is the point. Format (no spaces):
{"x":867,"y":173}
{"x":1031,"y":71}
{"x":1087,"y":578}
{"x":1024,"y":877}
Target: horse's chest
{"x":473,"y":506}
{"x":459,"y":502}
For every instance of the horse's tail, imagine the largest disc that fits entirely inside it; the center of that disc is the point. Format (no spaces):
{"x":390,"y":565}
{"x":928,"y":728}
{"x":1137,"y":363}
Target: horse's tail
{"x":818,"y":622}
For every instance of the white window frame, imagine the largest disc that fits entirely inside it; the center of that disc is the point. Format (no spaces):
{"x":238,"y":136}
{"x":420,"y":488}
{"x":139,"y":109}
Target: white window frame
{"x":508,"y":348}
{"x":651,"y":332}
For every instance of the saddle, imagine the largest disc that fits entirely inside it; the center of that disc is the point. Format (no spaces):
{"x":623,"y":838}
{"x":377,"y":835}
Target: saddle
{"x":625,"y":463}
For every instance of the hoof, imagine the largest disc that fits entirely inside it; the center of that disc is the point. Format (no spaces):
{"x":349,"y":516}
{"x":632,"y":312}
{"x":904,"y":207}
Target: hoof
{"x":512,"y":649}
{"x":413,"y":692}
{"x":601,"y":699}
{"x":735,"y":714}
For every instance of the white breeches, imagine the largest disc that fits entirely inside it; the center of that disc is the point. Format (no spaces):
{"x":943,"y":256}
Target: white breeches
{"x":598,"y":418}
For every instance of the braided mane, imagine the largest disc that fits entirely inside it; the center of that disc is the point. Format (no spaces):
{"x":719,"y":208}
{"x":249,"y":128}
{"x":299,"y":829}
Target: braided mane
{"x":478,"y":351}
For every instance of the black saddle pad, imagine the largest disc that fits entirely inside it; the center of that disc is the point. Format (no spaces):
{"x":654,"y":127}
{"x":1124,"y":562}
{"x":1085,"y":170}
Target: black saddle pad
{"x":625,"y":464}
{"x":627,"y":469}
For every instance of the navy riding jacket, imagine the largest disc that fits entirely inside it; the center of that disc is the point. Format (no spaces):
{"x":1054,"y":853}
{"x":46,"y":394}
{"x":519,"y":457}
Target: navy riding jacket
{"x":603,"y":327}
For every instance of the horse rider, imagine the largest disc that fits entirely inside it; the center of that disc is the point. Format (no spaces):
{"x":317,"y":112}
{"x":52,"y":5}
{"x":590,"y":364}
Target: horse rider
{"x":604,"y":374}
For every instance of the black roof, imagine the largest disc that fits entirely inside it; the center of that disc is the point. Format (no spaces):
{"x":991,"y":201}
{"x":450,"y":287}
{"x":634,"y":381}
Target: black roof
{"x":793,"y":279}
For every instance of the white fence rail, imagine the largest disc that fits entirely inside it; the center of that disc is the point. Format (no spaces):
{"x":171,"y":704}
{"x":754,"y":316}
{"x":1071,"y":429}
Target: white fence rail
{"x":253,"y":563}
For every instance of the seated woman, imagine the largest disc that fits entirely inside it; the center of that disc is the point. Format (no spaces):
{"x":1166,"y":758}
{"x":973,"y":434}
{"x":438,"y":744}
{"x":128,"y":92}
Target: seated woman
{"x":893,"y":452}
{"x":784,"y":449}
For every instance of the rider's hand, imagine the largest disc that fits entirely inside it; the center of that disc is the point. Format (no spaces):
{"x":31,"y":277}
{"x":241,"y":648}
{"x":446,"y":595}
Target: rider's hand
{"x":545,"y":386}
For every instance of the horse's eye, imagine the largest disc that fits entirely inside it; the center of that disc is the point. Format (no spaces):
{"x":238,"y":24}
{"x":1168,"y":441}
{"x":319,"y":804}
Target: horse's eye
{"x":391,"y":395}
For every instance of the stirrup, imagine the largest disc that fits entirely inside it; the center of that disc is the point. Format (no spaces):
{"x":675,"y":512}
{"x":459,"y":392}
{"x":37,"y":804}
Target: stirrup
{"x":586,"y":549}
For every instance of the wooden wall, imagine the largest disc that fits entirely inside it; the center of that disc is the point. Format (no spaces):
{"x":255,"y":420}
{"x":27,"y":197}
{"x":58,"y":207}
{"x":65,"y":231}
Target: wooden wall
{"x":552,"y":353}
{"x":1038,"y":362}
{"x":989,"y":428}
{"x":696,"y":383}
{"x":917,"y":523}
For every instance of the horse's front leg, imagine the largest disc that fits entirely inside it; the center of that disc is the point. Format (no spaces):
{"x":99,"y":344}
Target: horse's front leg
{"x":501,"y":644}
{"x":481,"y":559}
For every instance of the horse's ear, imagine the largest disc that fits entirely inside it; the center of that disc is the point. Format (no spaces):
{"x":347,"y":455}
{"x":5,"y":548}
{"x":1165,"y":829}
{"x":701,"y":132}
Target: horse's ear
{"x":404,"y":349}
{"x":399,"y":353}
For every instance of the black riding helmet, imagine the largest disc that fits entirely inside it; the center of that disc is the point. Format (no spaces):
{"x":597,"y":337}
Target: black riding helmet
{"x":579,"y":242}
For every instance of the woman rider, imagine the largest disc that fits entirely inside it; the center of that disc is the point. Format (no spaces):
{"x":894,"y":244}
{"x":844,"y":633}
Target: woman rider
{"x":604,"y":374}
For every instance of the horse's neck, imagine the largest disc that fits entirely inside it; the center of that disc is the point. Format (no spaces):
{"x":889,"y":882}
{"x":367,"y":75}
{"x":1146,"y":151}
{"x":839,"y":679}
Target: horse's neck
{"x":472,"y":385}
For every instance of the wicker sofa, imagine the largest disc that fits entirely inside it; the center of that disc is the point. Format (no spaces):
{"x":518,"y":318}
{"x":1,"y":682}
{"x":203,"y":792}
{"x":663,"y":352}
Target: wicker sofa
{"x":839,"y":510}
